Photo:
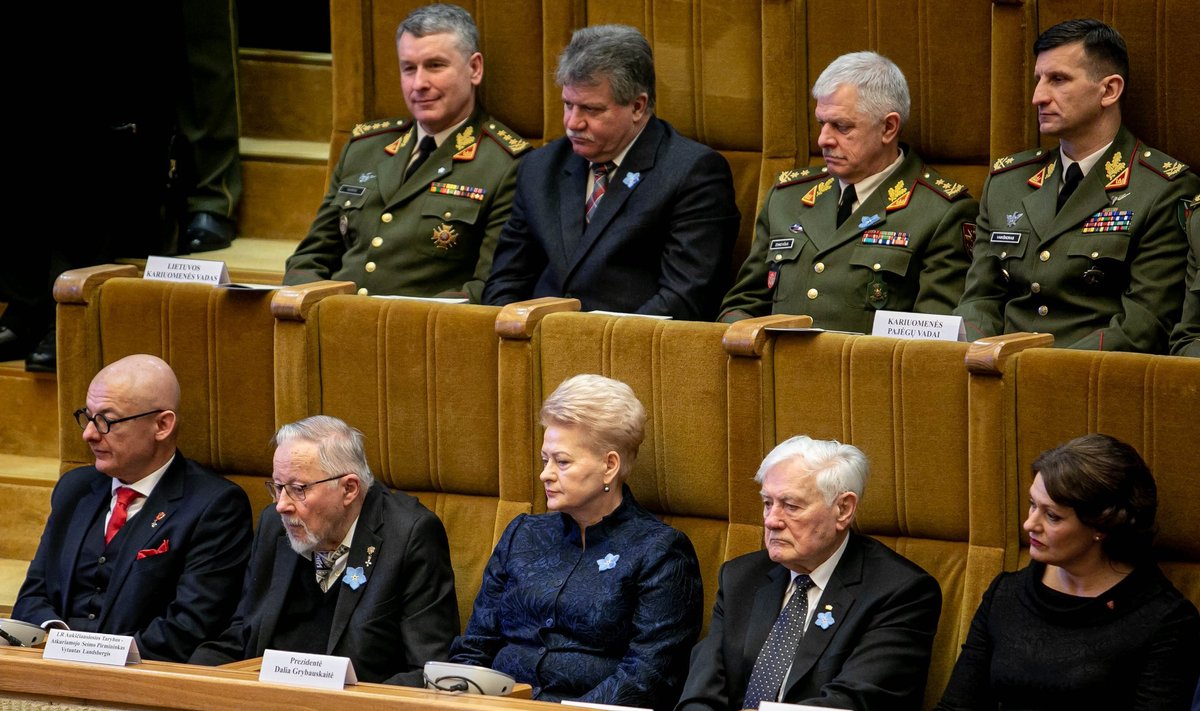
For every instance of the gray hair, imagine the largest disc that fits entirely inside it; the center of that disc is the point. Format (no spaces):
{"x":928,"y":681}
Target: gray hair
{"x":339,"y":446}
{"x":606,"y":409}
{"x":838,"y":467}
{"x":441,"y":17}
{"x":617,"y":52}
{"x":881,"y":86}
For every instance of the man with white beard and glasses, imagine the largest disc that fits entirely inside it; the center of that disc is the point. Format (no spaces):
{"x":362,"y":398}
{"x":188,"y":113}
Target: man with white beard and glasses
{"x":341,"y":565}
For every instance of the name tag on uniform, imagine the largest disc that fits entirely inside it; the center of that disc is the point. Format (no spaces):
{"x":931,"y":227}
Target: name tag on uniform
{"x":785,"y":243}
{"x":351,"y":190}
{"x":1006,"y":237}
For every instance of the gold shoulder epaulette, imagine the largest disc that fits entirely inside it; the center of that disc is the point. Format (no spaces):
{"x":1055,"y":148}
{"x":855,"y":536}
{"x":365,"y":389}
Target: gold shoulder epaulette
{"x":371,"y":128}
{"x":506,"y":137}
{"x":800,"y":175}
{"x":1161,"y":163}
{"x":945,"y":187}
{"x":1017,"y":160}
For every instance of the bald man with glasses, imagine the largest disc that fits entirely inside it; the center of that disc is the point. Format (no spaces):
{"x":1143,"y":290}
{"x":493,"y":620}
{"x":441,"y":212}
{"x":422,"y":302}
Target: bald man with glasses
{"x":341,"y":565}
{"x":144,"y":542}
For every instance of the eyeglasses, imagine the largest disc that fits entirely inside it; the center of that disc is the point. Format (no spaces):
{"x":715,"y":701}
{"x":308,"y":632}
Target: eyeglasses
{"x":104,"y":424}
{"x":296,"y":491}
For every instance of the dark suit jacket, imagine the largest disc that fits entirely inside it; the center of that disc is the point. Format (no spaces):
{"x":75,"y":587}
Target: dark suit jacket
{"x":170,"y":602}
{"x":875,"y":655}
{"x":659,"y":242}
{"x":403,"y":616}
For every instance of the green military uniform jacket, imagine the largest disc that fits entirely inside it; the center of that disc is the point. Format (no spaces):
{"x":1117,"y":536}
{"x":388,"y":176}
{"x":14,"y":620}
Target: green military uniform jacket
{"x":1104,"y":273}
{"x":432,"y":234}
{"x":901,"y":250}
{"x":1185,"y":339}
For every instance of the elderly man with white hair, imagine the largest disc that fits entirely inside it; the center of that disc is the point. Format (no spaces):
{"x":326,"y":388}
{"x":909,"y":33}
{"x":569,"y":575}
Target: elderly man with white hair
{"x":823,"y":616}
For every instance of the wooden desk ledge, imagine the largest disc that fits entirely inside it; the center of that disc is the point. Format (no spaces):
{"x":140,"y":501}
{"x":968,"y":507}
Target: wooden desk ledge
{"x":292,"y":303}
{"x":76,"y":286}
{"x":748,"y":337}
{"x":987,"y":356}
{"x":182,"y":686}
{"x":519,"y":320}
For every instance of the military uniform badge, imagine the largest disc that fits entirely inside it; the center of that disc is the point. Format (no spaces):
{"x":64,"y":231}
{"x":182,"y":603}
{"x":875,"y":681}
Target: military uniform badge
{"x":817,"y":191}
{"x":444,"y":237}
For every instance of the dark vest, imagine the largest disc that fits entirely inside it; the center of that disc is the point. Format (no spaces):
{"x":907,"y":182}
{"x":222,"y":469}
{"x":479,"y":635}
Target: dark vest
{"x":93,"y":570}
{"x":307,"y":613}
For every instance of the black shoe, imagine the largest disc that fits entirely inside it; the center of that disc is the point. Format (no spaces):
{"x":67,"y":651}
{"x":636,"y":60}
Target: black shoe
{"x":44,"y":358}
{"x":207,"y":232}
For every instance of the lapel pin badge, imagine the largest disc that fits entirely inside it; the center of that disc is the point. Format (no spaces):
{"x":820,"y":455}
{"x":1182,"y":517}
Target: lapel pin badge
{"x":370,"y":553}
{"x":631,"y":179}
{"x":824,"y":620}
{"x":161,"y":515}
{"x":355,"y":577}
{"x":608,"y":562}
{"x":867,"y":221}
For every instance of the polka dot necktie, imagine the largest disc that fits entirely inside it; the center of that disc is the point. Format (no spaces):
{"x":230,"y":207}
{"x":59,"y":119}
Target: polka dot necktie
{"x":775,"y":657}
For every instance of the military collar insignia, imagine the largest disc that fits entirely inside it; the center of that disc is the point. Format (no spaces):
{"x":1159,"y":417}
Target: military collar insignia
{"x":898,"y":196}
{"x":398,"y":145}
{"x":1042,"y":175}
{"x":818,"y":190}
{"x":1114,"y":167}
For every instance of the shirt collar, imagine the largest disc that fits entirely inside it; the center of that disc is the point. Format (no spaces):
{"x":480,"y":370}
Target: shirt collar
{"x":347,"y":540}
{"x":866,"y":186}
{"x":621,"y":156}
{"x":146,"y":484}
{"x":1085,"y":164}
{"x":823,"y":572}
{"x":440,"y":137}
{"x":601,"y":530}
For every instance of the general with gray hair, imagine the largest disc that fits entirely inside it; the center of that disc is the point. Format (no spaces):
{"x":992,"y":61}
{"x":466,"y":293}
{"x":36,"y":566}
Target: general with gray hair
{"x":341,"y":565}
{"x":442,"y":17}
{"x":881,"y":85}
{"x":822,"y":615}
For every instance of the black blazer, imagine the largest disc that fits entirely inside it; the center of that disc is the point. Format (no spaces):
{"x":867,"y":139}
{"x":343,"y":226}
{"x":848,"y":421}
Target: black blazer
{"x":875,"y":655}
{"x":170,"y":602}
{"x":404,"y":615}
{"x":659,"y":242}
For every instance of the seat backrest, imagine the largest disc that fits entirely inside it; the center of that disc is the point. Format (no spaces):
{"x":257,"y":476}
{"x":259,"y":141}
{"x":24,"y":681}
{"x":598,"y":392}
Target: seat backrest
{"x":419,"y":379}
{"x":1150,"y":402}
{"x":905,"y":404}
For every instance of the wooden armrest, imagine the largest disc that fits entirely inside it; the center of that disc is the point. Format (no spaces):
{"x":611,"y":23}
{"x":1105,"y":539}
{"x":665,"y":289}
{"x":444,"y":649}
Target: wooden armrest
{"x":292,"y":303}
{"x":748,"y":337}
{"x":517,"y":321}
{"x":987,"y":356}
{"x":76,"y":286}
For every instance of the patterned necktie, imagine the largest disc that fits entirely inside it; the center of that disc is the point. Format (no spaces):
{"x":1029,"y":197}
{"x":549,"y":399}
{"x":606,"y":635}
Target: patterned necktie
{"x":775,"y":657}
{"x":849,"y":195}
{"x":324,"y":561}
{"x":1070,"y":182}
{"x":601,"y":171}
{"x":120,"y":513}
{"x":424,"y":149}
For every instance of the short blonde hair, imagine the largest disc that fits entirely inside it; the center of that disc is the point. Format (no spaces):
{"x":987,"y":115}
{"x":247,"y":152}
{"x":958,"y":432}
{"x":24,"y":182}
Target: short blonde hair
{"x":607,"y":410}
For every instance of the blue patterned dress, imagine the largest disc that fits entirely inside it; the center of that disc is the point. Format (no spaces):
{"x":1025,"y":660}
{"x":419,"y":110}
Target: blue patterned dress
{"x":613,"y":623}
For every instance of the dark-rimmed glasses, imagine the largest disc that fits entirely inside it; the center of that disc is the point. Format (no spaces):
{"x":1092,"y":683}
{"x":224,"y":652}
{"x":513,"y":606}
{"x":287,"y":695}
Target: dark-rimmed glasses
{"x":296,"y":491}
{"x":104,"y":424}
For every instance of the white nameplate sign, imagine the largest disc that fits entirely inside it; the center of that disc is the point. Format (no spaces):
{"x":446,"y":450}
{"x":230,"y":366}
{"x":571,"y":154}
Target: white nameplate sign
{"x":603,"y":707}
{"x":777,"y":706}
{"x":904,"y":324}
{"x":91,"y":647}
{"x":188,"y":271}
{"x":318,"y":671}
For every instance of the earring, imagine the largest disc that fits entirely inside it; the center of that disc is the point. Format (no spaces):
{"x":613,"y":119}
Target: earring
{"x":1097,"y":536}
{"x":606,"y":488}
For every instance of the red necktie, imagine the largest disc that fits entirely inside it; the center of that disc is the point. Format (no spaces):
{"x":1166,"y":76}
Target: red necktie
{"x":125,"y":497}
{"x":599,"y":185}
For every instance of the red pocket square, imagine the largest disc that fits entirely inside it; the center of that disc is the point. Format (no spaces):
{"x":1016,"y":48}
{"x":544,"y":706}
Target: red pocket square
{"x":154,"y":551}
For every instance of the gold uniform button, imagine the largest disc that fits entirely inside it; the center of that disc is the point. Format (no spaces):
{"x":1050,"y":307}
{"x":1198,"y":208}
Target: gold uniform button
{"x":1095,"y":255}
{"x":377,"y":242}
{"x":779,"y":257}
{"x":1035,"y":287}
{"x":1042,"y":311}
{"x":1004,"y":255}
{"x":447,"y":214}
{"x":1147,"y":154}
{"x":819,"y":267}
{"x":386,"y":217}
{"x":876,"y":266}
{"x":370,"y":266}
{"x":362,"y":291}
{"x":1044,"y":256}
{"x":812,"y":293}
{"x":346,"y":204}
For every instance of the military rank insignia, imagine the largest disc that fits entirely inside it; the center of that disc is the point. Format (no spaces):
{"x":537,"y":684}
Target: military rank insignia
{"x":1117,"y":173}
{"x":444,"y":237}
{"x":1108,"y":221}
{"x":818,"y":190}
{"x":886,"y":237}
{"x":898,"y":196}
{"x":471,"y":193}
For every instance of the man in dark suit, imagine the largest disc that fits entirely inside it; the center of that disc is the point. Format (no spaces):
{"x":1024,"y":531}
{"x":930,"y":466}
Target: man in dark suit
{"x":342,"y":566}
{"x":145,"y":543}
{"x":823,"y":616}
{"x":623,"y":213}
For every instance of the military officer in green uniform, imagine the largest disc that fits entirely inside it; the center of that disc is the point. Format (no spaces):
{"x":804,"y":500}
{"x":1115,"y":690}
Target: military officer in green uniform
{"x":1185,"y":339}
{"x":1084,"y":241}
{"x":415,"y":207}
{"x":874,"y":228}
